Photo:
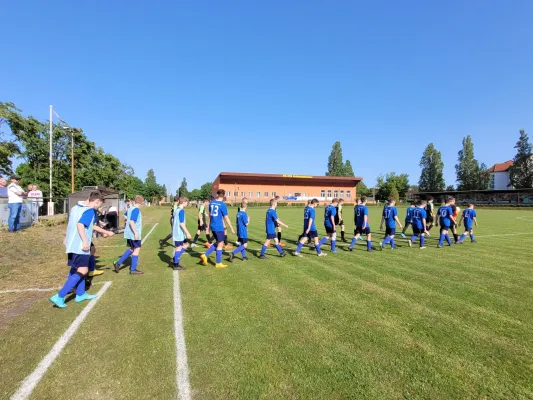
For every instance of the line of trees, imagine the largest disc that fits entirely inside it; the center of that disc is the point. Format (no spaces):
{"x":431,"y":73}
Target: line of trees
{"x":205,"y":191}
{"x":28,"y":139}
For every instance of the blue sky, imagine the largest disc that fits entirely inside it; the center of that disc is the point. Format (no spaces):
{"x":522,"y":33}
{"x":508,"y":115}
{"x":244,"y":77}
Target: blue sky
{"x":192,"y":88}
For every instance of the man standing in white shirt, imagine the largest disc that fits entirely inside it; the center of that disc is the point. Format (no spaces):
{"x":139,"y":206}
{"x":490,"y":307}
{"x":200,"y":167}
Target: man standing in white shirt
{"x":15,"y":193}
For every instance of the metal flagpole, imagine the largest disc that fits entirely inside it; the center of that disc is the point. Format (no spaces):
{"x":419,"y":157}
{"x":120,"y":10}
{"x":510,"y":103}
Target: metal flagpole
{"x":51,"y":202}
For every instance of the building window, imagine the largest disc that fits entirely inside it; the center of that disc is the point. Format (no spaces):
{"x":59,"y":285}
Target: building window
{"x":329,"y":193}
{"x":297,"y":195}
{"x":492,"y":181}
{"x":304,"y":194}
{"x":322,"y":193}
{"x":273,"y":194}
{"x":348,"y":194}
{"x":336,"y":194}
{"x":235,"y":194}
{"x":258,"y":194}
{"x":342,"y":194}
{"x":251,"y":194}
{"x":266,"y":194}
{"x":243,"y":194}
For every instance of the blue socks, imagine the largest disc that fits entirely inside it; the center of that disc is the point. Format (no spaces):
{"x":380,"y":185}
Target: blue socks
{"x":369,"y":244}
{"x":387,"y":240}
{"x":80,"y":289}
{"x":300,"y":245}
{"x":134,"y":262}
{"x":263,"y":250}
{"x":219,"y":256}
{"x":280,"y":250}
{"x":448,"y":239}
{"x":353,"y":243}
{"x":177,"y":256}
{"x":72,"y":281}
{"x":239,"y":249}
{"x":422,"y":240}
{"x":317,"y":247}
{"x":324,"y":240}
{"x":210,"y":250}
{"x":243,"y":252}
{"x":441,"y":239}
{"x":472,"y":237}
{"x":413,"y":238}
{"x":125,"y":256}
{"x":333,"y":244}
{"x":92,"y":263}
{"x":392,"y":243}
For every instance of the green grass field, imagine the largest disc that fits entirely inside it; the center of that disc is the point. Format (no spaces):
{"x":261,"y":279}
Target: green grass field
{"x":449,"y":323}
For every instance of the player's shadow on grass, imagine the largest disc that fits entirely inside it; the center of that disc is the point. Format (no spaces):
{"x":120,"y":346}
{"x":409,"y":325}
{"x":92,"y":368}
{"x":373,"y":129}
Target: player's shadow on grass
{"x":164,"y":257}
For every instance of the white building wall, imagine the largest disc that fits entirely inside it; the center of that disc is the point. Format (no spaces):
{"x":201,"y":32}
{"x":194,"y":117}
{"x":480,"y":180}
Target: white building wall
{"x":501,"y":180}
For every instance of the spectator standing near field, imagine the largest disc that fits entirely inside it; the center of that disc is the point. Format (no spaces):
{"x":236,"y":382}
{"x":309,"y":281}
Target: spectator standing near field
{"x":37,"y":200}
{"x":3,"y":187}
{"x":15,"y":194}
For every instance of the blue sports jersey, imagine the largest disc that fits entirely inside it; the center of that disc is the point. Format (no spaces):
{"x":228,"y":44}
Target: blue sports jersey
{"x":309,"y":213}
{"x":270,"y":221}
{"x":242,"y":229}
{"x":409,"y":215}
{"x":360,"y":212}
{"x":330,"y":211}
{"x":133,"y":214}
{"x":217,"y":212}
{"x":469,"y":214}
{"x":390,"y":213}
{"x":418,"y":215}
{"x":178,"y":233}
{"x":79,"y":214}
{"x":444,"y":213}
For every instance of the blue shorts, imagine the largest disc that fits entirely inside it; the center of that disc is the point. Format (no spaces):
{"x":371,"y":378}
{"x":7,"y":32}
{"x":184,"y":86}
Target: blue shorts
{"x":179,"y":243}
{"x":219,"y":236}
{"x":77,"y":260}
{"x":468,"y":227}
{"x":390,"y":231}
{"x":312,"y":234}
{"x":408,"y":222}
{"x":271,"y":236}
{"x":445,"y":228}
{"x":133,"y":244}
{"x":329,"y":230}
{"x":242,"y":240}
{"x":359,"y":230}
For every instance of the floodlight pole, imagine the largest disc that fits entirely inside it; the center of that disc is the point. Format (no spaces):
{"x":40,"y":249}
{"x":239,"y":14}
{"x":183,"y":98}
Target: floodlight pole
{"x":72,"y":158}
{"x":51,"y":202}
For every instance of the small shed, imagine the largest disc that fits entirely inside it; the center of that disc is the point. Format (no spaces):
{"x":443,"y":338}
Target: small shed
{"x":112,"y":198}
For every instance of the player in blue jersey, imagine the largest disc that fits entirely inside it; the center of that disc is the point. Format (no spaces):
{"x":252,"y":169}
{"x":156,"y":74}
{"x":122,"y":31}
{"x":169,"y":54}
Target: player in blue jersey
{"x":163,"y":242}
{"x":408,"y":218}
{"x":419,"y":224}
{"x":81,"y":223}
{"x":362,"y":226}
{"x":133,"y":236}
{"x":309,"y":202}
{"x":390,"y":217}
{"x":470,"y":218}
{"x":310,"y":232}
{"x":242,"y":222}
{"x":329,"y":223}
{"x":271,"y":223}
{"x":445,"y":220}
{"x":180,"y":234}
{"x":218,"y":220}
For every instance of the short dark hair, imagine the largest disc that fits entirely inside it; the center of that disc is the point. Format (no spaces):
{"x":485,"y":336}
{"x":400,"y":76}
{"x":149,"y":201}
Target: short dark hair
{"x":335,"y":200}
{"x":429,"y":198}
{"x":96,"y":195}
{"x":391,"y":199}
{"x":272,"y":201}
{"x":314,"y":201}
{"x":363,"y":199}
{"x":221,"y":192}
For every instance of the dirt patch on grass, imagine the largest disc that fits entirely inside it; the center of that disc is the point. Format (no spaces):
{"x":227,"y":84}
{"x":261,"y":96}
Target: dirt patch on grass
{"x":14,"y":304}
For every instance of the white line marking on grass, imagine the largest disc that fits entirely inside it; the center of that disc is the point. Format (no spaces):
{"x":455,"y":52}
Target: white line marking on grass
{"x":151,"y":230}
{"x":505,"y":234}
{"x":39,"y":289}
{"x":182,"y":370}
{"x":31,"y":381}
{"x":525,"y":218}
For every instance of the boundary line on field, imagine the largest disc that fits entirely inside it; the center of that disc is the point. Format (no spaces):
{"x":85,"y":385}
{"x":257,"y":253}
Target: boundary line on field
{"x":31,"y":381}
{"x":182,"y":369}
{"x":148,"y":234}
{"x":39,"y":289}
{"x":524,"y":218}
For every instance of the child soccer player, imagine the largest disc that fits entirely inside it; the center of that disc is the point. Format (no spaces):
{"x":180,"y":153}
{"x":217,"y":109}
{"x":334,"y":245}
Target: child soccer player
{"x":469,"y":216}
{"x":329,"y":223}
{"x":419,"y":224}
{"x":278,"y":226}
{"x":453,"y":225}
{"x":242,"y":232}
{"x":271,"y":222}
{"x":218,"y":214}
{"x":408,"y":218}
{"x":133,"y":236}
{"x":310,"y":232}
{"x":180,"y":234}
{"x":244,"y":201}
{"x":81,"y":223}
{"x":361,"y":225}
{"x":339,"y":220}
{"x":446,"y":218}
{"x":163,"y":242}
{"x":430,"y":219}
{"x":390,"y":217}
{"x":128,"y":205}
{"x":203,"y":215}
{"x":305,"y":209}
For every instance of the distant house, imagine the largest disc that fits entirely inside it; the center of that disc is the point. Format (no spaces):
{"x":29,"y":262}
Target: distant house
{"x":499,"y":176}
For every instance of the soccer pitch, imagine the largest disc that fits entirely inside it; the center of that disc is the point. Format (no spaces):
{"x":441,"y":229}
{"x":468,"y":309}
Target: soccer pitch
{"x":444,"y":323}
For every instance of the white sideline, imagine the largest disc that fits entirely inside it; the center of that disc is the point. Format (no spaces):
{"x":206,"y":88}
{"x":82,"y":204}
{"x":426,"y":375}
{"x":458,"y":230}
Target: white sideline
{"x":151,"y":230}
{"x":182,"y":370}
{"x":31,"y":381}
{"x":39,"y":289}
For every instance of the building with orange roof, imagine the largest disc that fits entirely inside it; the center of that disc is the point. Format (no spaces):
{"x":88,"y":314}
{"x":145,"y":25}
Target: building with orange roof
{"x":499,"y":176}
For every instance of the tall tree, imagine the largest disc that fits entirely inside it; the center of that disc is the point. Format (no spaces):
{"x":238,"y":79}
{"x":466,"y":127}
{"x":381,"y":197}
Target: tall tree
{"x":206,"y":191}
{"x":182,"y":190}
{"x":471,"y":175}
{"x":335,"y":163}
{"x":385,"y":184}
{"x":521,"y":173}
{"x":348,"y":170}
{"x":8,"y":148}
{"x":152,"y":189}
{"x":395,"y":195}
{"x":431,"y":178}
{"x":363,"y":190}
